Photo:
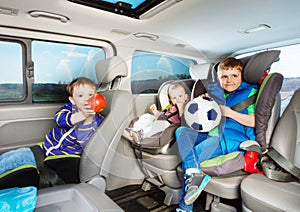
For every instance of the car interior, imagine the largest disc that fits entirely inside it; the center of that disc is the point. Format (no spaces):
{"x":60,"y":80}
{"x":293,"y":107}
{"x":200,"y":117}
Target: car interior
{"x":133,"y":50}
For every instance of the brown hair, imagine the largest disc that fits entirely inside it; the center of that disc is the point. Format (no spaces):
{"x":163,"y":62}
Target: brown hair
{"x":231,"y":63}
{"x":77,"y":82}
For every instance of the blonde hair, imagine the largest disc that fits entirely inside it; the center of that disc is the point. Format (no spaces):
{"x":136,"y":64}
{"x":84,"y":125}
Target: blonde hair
{"x":78,"y":82}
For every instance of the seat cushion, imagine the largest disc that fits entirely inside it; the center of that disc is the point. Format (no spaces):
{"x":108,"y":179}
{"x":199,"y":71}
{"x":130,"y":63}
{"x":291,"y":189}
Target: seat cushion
{"x":225,"y":187}
{"x":262,"y":194}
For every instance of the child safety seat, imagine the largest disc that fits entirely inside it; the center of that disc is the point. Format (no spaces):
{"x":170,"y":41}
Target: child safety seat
{"x":256,"y":70}
{"x":158,"y":155}
{"x":161,"y":143}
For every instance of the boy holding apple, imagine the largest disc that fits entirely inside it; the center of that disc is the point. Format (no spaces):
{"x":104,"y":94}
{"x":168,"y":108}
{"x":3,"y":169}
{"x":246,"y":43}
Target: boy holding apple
{"x":76,"y":121}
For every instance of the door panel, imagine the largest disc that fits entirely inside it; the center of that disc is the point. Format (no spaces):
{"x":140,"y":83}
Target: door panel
{"x":25,"y":125}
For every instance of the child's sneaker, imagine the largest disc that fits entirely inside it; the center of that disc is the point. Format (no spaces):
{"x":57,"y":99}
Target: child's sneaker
{"x":181,"y":210}
{"x":195,"y":184}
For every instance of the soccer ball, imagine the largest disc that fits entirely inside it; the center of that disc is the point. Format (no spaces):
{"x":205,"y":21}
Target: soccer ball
{"x":202,"y":114}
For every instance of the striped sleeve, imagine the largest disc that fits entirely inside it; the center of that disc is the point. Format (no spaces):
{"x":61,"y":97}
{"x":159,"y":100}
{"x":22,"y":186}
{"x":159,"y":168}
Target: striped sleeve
{"x":63,"y":117}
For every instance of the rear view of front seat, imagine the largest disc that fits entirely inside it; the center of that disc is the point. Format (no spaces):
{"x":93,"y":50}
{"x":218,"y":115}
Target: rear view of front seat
{"x":98,"y":154}
{"x":260,"y":193}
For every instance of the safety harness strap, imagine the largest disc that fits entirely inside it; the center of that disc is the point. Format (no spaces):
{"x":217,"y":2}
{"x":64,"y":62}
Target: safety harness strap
{"x":244,"y":104}
{"x":289,"y":172}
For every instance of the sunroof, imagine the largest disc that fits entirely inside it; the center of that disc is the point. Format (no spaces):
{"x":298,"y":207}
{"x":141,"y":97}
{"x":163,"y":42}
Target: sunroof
{"x":131,"y":8}
{"x":134,"y":3}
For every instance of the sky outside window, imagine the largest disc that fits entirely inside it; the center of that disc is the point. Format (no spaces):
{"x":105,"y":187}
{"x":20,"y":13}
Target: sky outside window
{"x":11,"y":61}
{"x":134,"y":3}
{"x":57,"y":62}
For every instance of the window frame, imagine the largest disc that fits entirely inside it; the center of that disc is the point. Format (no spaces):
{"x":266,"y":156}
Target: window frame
{"x":28,"y":70}
{"x":121,"y":8}
{"x":25,"y":51}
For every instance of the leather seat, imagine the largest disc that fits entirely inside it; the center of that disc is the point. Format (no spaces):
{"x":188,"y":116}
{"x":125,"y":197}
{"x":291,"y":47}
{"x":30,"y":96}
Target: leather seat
{"x":95,"y":165}
{"x":260,"y":193}
{"x":97,"y":157}
{"x":267,"y":115}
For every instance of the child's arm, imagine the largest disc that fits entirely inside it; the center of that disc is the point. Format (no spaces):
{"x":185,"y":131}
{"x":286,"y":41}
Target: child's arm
{"x":245,"y":119}
{"x":86,"y":115}
{"x":154,"y":111}
{"x":180,"y":107}
{"x":65,"y":119}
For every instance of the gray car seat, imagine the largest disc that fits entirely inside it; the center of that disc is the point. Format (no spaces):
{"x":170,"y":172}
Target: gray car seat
{"x":267,"y":114}
{"x":158,"y":155}
{"x":162,"y":141}
{"x":260,"y":193}
{"x":98,"y":154}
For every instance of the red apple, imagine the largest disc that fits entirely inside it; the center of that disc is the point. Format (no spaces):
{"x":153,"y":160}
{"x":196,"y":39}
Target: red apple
{"x":97,"y":102}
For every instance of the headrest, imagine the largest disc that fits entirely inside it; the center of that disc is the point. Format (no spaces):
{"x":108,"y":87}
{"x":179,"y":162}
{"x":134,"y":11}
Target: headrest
{"x":107,"y":70}
{"x":199,"y":71}
{"x":257,"y":64}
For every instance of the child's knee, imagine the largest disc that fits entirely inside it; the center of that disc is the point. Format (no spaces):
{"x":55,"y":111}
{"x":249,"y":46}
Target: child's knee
{"x":180,"y":131}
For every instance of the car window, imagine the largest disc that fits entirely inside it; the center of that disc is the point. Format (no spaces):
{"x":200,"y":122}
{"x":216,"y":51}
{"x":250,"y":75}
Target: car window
{"x":150,"y":70}
{"x":57,"y":64}
{"x":54,"y":66}
{"x":12,"y":86}
{"x":130,"y":8}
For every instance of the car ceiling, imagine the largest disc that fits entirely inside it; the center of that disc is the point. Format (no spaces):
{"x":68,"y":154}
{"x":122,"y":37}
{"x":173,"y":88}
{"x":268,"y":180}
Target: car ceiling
{"x":210,"y":26}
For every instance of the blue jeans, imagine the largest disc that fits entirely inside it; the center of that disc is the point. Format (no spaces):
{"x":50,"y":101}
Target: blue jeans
{"x":195,"y":147}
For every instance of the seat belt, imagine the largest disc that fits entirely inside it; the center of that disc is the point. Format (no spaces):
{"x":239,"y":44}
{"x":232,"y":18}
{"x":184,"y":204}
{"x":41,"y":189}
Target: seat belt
{"x":290,"y":173}
{"x":244,"y":104}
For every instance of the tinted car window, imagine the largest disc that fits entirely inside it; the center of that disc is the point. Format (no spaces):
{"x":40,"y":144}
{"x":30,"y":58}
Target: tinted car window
{"x":150,"y":70}
{"x":57,"y":64}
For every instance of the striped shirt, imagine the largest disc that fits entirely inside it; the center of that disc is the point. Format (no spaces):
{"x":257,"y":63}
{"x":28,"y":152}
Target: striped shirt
{"x":76,"y":136}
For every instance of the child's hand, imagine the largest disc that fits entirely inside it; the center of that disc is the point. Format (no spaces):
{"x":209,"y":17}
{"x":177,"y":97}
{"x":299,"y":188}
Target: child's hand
{"x":87,"y":111}
{"x":180,"y":106}
{"x":225,"y":110}
{"x":205,"y":95}
{"x":85,"y":114}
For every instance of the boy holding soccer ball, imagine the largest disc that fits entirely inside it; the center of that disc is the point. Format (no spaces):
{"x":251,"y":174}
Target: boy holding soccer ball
{"x":75,"y":123}
{"x":196,"y":147}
